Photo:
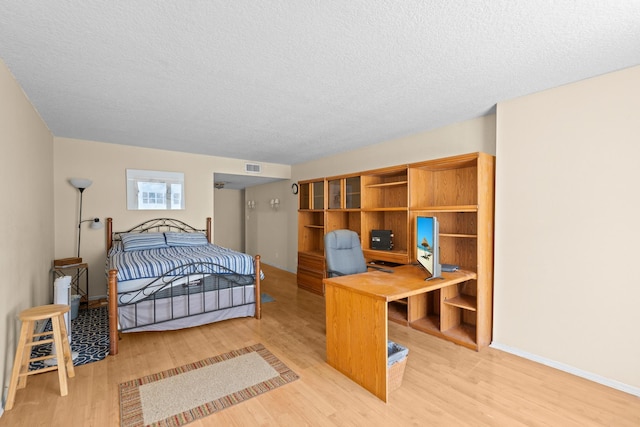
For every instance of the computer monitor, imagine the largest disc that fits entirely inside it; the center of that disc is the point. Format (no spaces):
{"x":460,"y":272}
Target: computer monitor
{"x":427,"y":241}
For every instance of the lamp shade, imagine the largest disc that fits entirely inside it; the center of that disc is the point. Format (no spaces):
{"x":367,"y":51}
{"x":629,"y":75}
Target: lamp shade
{"x":96,"y":224}
{"x":80,"y":183}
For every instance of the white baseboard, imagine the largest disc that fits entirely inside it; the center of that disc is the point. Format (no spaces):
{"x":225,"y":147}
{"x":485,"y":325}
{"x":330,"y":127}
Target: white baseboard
{"x":97,"y":297}
{"x":570,"y":369}
{"x":3,"y":399}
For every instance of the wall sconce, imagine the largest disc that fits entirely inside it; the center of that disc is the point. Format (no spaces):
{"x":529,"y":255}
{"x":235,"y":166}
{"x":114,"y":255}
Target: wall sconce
{"x":251,"y":204}
{"x":81,"y":185}
{"x":275,"y":203}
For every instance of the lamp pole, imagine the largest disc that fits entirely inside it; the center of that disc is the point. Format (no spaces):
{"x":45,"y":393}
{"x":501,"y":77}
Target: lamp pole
{"x":81,"y":185}
{"x":80,"y":220}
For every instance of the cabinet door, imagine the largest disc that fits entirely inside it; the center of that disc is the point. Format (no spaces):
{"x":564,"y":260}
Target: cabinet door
{"x":304,"y":195}
{"x":311,"y":195}
{"x":335,"y":194}
{"x":344,"y":193}
{"x":318,"y":195}
{"x":352,"y":192}
{"x":311,"y":271}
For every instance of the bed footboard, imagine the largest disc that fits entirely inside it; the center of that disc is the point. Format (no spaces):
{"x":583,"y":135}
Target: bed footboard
{"x":258,"y":270}
{"x":115,"y":300}
{"x":113,"y":312}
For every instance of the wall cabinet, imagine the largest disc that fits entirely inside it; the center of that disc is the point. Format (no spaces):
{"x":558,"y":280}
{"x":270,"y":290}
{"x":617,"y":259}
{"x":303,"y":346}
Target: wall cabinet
{"x":311,"y":230}
{"x":458,"y":190}
{"x":345,"y":200}
{"x":344,"y":192}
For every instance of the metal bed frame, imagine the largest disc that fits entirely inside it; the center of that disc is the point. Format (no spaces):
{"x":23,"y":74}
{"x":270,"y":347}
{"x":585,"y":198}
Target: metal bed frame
{"x":192,"y":284}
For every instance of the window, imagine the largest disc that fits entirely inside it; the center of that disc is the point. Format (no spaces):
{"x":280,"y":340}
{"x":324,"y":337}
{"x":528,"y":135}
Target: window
{"x":154,"y":190}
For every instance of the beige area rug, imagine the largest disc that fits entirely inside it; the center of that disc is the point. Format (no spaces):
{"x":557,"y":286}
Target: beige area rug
{"x":181,"y":395}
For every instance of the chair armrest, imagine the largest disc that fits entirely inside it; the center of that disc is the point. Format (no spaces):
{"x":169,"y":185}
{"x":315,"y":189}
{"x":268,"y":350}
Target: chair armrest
{"x":334,"y":273}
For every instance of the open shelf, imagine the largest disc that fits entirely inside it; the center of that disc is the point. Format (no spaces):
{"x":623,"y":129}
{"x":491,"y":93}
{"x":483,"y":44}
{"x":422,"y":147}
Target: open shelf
{"x":387,"y":184}
{"x":459,"y":236}
{"x":387,"y":209}
{"x":465,"y":302}
{"x":429,"y":324}
{"x":452,"y":208}
{"x":397,"y":312}
{"x":463,"y":334}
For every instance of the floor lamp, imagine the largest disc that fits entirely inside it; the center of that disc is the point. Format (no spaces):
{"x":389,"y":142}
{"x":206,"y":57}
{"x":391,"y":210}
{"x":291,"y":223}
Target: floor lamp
{"x":81,"y":185}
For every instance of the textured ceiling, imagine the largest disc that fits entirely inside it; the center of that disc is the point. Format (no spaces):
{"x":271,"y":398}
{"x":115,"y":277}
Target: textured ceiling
{"x":292,"y":80}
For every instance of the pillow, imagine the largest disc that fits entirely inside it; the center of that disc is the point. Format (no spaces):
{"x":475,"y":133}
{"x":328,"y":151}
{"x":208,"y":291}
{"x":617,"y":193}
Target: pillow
{"x":140,"y":241}
{"x":116,"y":246}
{"x":185,"y":239}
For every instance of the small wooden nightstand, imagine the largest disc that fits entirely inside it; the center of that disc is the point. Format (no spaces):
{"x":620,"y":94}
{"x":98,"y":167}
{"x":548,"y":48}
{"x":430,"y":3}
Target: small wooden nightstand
{"x":76,"y":271}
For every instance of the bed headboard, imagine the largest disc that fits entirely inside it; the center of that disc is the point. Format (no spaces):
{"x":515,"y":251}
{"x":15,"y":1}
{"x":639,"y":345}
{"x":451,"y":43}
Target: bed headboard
{"x":156,"y":225}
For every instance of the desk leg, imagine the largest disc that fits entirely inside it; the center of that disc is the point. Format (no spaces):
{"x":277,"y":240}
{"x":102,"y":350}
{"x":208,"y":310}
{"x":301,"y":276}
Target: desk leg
{"x":357,"y":338}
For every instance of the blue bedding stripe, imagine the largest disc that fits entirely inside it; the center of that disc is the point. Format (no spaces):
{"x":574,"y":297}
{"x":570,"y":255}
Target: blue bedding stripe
{"x":150,"y":263}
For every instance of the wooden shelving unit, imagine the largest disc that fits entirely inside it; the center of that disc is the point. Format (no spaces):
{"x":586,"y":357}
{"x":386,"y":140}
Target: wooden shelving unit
{"x":311,"y":230}
{"x":458,"y":190}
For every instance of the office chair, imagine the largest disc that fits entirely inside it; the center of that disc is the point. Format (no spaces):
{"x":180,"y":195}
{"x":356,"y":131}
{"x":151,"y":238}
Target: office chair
{"x":343,"y":253}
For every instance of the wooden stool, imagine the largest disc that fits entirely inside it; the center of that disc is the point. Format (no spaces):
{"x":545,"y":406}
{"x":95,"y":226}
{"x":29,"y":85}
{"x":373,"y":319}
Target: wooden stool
{"x":55,"y":312}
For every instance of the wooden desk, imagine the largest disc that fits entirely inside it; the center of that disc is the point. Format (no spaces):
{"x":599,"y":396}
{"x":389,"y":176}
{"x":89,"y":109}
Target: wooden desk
{"x":356,"y":318}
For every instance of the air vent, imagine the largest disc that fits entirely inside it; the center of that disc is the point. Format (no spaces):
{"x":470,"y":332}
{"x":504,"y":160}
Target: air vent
{"x":252,"y":168}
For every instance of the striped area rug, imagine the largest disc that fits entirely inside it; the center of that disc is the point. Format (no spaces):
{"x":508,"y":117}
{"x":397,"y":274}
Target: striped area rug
{"x":181,"y":395}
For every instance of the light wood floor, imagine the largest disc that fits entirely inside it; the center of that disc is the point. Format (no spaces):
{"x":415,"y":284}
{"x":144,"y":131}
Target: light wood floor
{"x":443,"y":384}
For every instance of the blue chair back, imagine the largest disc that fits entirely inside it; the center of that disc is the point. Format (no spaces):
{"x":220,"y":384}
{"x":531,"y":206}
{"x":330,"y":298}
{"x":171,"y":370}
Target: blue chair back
{"x":343,"y":253}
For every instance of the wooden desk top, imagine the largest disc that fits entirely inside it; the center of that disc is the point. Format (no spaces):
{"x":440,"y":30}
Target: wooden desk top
{"x":61,"y":268}
{"x":405,"y":281}
{"x":70,"y":266}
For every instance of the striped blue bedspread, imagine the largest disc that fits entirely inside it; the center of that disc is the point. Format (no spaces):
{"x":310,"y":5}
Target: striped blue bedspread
{"x":151,"y":263}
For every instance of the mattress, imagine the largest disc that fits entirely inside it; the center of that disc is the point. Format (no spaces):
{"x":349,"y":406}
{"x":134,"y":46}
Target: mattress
{"x":152,"y":263}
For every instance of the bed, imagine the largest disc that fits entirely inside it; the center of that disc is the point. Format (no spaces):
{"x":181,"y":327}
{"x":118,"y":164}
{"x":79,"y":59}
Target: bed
{"x":164,"y":274}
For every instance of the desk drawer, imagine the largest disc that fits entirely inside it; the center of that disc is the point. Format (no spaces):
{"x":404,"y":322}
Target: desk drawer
{"x":311,"y":280}
{"x":311,"y":271}
{"x":311,"y":262}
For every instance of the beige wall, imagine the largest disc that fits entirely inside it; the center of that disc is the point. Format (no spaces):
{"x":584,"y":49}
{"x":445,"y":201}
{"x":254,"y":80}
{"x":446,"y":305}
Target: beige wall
{"x":567,"y":234}
{"x":464,"y":137}
{"x":106,"y":165}
{"x":267,"y":229}
{"x":26,"y":215}
{"x":228,"y":217}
